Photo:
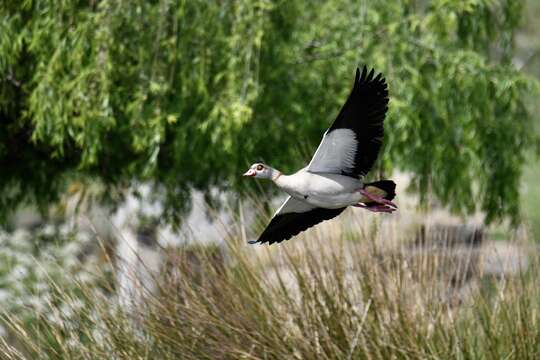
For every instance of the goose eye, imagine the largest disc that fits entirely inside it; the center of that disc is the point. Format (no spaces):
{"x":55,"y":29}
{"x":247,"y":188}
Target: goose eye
{"x":259,"y":167}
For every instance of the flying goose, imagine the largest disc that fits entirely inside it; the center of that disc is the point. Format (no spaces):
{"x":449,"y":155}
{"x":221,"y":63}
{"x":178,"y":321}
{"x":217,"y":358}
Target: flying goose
{"x":333,"y":179}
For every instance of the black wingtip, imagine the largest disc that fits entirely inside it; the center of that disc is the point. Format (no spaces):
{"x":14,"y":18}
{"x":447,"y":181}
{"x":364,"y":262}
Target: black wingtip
{"x":364,"y":73}
{"x":366,"y":76}
{"x":356,"y":78}
{"x":370,"y":76}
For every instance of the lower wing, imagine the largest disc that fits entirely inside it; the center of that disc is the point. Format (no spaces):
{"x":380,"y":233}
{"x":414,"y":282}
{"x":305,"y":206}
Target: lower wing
{"x":293,"y":217}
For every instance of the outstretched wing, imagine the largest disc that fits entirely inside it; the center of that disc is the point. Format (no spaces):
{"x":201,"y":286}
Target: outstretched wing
{"x":293,"y":217}
{"x":351,"y":145}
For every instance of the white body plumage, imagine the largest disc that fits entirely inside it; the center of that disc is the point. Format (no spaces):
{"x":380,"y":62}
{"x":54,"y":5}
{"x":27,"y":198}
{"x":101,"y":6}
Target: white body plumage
{"x":329,"y":191}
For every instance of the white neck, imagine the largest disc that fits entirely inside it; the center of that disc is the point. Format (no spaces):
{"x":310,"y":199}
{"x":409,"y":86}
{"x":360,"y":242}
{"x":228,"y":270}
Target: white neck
{"x":276,"y":174}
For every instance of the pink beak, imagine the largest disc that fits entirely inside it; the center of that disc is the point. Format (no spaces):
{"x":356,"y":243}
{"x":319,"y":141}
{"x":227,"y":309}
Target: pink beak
{"x":250,"y":172}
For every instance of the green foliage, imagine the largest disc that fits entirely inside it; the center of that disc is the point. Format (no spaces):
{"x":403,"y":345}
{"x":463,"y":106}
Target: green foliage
{"x":188,"y":93}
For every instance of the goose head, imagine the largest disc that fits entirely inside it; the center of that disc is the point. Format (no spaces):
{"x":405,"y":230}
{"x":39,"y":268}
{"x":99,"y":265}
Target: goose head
{"x":262,"y":171}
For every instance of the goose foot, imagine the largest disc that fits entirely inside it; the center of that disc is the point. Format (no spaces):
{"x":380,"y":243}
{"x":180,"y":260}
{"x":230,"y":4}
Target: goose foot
{"x":377,"y":199}
{"x":377,"y":208}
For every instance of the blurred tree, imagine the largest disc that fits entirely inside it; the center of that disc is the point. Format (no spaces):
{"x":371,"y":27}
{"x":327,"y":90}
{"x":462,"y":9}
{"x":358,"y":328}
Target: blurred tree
{"x":188,"y":93}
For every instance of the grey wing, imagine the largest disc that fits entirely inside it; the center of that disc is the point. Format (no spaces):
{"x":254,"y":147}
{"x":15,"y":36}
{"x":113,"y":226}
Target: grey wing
{"x":351,"y":145}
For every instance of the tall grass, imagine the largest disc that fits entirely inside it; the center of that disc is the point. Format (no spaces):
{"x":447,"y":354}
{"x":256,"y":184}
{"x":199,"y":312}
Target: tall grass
{"x":364,"y":292}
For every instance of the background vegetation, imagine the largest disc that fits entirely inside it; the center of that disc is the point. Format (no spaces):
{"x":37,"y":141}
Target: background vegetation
{"x":187,"y":93}
{"x":371,"y":293}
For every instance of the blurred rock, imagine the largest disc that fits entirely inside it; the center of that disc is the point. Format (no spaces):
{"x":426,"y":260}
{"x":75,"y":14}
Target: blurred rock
{"x":503,"y":258}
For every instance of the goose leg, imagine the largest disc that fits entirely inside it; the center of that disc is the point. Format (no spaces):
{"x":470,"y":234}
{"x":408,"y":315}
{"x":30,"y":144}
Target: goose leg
{"x":377,"y":199}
